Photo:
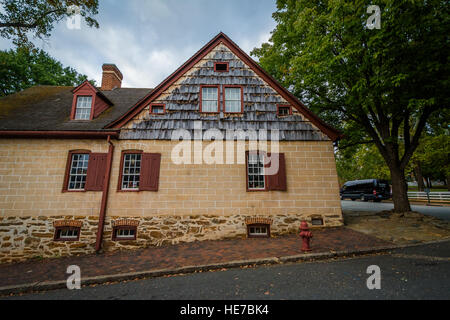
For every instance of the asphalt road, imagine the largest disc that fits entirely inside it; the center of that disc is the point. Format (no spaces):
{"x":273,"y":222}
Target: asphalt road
{"x":414,"y":273}
{"x":438,"y":212}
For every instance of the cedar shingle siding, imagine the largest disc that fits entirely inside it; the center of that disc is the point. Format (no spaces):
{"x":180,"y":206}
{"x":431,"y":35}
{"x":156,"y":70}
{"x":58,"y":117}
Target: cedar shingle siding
{"x":260,"y":105}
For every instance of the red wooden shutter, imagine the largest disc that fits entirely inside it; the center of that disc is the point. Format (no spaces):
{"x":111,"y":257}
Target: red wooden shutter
{"x":278,"y":181}
{"x":96,"y":171}
{"x":150,"y":165}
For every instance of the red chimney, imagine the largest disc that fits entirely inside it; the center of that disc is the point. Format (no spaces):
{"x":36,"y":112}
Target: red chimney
{"x":112,"y":77}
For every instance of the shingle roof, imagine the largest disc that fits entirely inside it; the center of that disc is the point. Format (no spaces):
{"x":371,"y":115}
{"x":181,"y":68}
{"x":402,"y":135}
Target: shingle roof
{"x":47,"y":108}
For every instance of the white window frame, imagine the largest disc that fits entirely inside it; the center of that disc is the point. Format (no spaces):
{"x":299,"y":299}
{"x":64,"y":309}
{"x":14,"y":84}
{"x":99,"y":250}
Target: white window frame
{"x":83,"y":175}
{"x":234,"y":99}
{"x":258,"y":164}
{"x":208,"y":99}
{"x":260,"y":233}
{"x":125,"y":236}
{"x":64,"y":234}
{"x":83,"y":108}
{"x":138,"y":158}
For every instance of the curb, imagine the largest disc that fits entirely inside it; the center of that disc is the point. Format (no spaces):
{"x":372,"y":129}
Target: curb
{"x":53,"y":285}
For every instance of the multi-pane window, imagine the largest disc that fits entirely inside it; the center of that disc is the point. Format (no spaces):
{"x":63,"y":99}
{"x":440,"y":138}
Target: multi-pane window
{"x":67,"y":234}
{"x":131,"y":171}
{"x":158,"y":109}
{"x":210,"y":99}
{"x":233,"y":101}
{"x":124,"y":233}
{"x":84,"y":106}
{"x":258,"y":231}
{"x":78,"y":171}
{"x":284,"y":110}
{"x":256,"y":178}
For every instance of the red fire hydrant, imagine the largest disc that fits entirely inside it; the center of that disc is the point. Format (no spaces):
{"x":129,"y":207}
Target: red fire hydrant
{"x":306,"y":236}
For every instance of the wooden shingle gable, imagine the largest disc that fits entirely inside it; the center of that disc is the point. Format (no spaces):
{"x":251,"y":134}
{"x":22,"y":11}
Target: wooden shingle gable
{"x":240,"y":68}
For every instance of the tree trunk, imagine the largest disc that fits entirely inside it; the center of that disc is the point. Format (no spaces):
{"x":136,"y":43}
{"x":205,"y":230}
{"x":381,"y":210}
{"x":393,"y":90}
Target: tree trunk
{"x":419,"y":177}
{"x":399,"y":189}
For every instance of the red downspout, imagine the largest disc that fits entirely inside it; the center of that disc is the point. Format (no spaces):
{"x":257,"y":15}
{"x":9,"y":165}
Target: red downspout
{"x":101,"y":219}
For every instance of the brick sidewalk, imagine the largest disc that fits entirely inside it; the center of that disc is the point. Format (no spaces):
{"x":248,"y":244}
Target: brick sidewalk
{"x":187,"y":254}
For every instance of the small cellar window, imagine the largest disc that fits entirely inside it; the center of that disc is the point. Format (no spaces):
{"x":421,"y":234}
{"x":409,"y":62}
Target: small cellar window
{"x":258,"y":231}
{"x":317,"y":221}
{"x":67,"y":234}
{"x":124,"y":233}
{"x":221,"y":67}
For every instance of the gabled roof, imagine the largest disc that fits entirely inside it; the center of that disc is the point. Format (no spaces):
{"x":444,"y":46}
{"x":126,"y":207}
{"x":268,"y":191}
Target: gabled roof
{"x":332,"y":133}
{"x":94,"y":89}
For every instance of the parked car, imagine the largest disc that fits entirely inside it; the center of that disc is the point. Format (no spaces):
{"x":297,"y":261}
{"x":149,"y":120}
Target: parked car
{"x":365,"y":190}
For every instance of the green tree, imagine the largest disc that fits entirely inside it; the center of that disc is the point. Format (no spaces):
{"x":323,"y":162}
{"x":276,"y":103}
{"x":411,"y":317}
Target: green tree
{"x":378,"y":86}
{"x":361,"y":162}
{"x":23,"y":68}
{"x":433,"y":155}
{"x":20,"y":18}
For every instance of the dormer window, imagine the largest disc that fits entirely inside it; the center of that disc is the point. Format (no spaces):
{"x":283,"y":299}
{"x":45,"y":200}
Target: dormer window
{"x":88,"y":102}
{"x":84,"y":108}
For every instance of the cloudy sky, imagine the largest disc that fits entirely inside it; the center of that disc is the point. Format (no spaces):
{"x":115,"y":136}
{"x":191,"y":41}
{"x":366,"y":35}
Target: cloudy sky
{"x":149,"y":39}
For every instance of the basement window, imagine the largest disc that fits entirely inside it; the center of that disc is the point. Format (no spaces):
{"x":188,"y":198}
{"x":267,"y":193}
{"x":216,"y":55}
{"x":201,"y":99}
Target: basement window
{"x":221,"y":67}
{"x":124,"y":233}
{"x":317,"y":221}
{"x":258,"y":231}
{"x":67,"y":233}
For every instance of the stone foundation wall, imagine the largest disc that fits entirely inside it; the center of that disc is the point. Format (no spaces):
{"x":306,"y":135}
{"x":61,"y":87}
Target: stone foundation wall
{"x":23,"y":238}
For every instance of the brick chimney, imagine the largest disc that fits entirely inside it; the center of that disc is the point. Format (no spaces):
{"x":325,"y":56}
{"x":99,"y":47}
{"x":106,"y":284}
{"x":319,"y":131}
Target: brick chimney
{"x":112,"y":77}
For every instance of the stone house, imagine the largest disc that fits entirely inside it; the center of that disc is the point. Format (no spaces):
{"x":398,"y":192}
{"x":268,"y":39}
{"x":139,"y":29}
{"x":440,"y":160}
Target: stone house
{"x":87,"y":169}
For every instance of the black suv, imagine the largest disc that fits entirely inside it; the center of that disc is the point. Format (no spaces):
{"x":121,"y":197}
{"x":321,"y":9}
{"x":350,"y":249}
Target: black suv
{"x":373,"y":189}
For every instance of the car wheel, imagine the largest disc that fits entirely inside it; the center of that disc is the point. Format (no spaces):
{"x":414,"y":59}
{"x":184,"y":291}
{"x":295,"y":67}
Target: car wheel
{"x":353,"y":199}
{"x":363,"y":198}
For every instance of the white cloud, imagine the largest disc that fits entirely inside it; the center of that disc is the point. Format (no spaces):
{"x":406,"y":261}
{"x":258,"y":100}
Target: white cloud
{"x":149,"y":39}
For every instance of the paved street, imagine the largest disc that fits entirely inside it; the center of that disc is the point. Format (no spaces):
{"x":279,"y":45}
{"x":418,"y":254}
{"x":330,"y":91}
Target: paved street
{"x":413,"y":273}
{"x":438,"y":212}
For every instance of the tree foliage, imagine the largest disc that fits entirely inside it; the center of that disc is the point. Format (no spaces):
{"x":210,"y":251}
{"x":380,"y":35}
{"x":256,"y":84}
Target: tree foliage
{"x":20,"y":18}
{"x":362,"y":162}
{"x":378,"y":86}
{"x":23,"y":68}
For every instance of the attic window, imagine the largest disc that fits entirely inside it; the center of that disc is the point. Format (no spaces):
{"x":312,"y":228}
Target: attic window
{"x":84,"y":107}
{"x":284,"y":110}
{"x":157,"y":109}
{"x":221,"y":67}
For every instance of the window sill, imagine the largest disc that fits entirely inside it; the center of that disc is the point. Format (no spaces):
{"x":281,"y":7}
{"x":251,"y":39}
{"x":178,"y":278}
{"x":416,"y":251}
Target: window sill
{"x":66,"y":240}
